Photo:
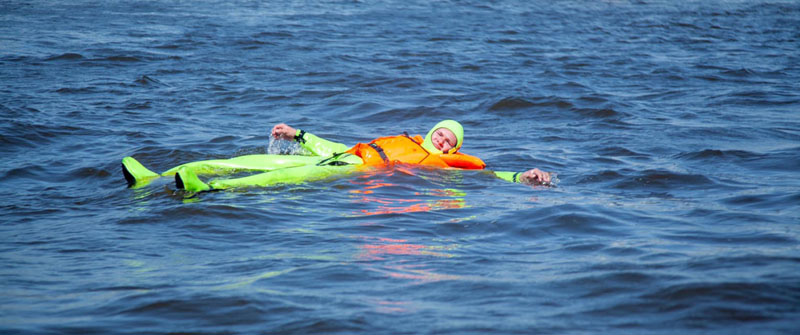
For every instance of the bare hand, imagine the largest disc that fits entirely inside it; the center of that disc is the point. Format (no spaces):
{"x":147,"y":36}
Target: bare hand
{"x":535,"y":177}
{"x":282,"y":131}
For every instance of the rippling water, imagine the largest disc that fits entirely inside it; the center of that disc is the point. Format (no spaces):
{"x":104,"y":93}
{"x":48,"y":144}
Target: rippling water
{"x":673,"y":128}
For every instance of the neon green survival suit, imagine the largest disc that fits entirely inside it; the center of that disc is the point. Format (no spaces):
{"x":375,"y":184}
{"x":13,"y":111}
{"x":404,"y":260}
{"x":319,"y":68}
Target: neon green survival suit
{"x":327,"y":159}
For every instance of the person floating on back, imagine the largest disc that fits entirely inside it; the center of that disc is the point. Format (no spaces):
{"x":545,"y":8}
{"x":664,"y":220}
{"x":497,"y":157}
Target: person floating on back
{"x":439,"y":148}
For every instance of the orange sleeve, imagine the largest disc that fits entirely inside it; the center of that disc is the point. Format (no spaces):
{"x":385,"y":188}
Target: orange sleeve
{"x":463,"y":161}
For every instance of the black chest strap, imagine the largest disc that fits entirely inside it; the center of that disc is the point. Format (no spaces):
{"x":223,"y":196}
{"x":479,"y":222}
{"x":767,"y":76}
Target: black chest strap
{"x":380,"y":152}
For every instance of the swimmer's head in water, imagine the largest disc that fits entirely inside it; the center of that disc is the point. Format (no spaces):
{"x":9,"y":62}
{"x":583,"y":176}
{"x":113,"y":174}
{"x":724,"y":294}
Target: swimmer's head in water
{"x":446,"y":136}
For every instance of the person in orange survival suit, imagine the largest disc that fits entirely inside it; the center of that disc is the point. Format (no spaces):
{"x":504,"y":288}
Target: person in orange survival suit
{"x":439,"y":148}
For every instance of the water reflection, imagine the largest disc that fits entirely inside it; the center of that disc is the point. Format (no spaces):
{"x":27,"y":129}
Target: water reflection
{"x":423,"y":201}
{"x":403,"y":259}
{"x":378,"y":248}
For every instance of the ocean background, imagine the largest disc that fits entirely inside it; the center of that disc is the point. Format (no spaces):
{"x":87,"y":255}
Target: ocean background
{"x":673,"y":127}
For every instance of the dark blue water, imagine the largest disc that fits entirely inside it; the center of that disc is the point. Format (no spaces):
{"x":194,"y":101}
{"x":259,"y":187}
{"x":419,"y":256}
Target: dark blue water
{"x":674,"y":128}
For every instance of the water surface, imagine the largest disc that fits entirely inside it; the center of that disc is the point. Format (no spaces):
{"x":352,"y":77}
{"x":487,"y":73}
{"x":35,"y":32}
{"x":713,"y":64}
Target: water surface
{"x":673,"y":128}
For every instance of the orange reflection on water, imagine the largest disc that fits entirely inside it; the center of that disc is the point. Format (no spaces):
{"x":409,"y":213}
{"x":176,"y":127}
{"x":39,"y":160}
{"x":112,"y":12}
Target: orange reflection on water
{"x":416,"y":207}
{"x":413,"y":273}
{"x":385,"y":246}
{"x":392,"y":205}
{"x":392,"y":307}
{"x":399,"y":258}
{"x":370,"y":185}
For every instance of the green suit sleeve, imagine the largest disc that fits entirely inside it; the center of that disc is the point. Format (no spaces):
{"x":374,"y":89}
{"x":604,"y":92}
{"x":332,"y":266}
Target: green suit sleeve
{"x":509,"y":176}
{"x":317,"y":145}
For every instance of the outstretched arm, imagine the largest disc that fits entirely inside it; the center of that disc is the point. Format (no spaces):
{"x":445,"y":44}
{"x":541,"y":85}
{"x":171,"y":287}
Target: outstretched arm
{"x":530,"y":177}
{"x":316,"y":145}
{"x":283,"y":131}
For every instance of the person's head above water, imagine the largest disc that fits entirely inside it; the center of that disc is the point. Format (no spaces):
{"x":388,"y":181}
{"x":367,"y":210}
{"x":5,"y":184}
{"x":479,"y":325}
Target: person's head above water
{"x":445,"y":137}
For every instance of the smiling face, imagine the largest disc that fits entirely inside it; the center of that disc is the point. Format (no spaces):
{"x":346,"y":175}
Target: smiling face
{"x":444,"y":139}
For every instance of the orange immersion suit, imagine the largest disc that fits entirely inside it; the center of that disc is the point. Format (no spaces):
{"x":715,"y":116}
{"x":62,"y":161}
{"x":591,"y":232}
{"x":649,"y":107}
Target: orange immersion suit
{"x":408,"y":150}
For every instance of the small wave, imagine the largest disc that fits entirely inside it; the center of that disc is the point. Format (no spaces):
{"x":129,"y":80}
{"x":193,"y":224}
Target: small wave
{"x":225,"y":212}
{"x":167,"y":46}
{"x":225,"y":308}
{"x":663,"y":95}
{"x":659,"y":179}
{"x":759,"y":98}
{"x":751,"y":94}
{"x":505,"y":41}
{"x":14,"y":141}
{"x":593,"y":99}
{"x":181,"y":43}
{"x":707,"y":304}
{"x":18,"y":58}
{"x":612,"y":283}
{"x":77,"y":90}
{"x":395,"y":82}
{"x":743,"y":72}
{"x":782,"y":160}
{"x":693,"y":40}
{"x":442,"y":39}
{"x":393,"y":114}
{"x":8,"y":112}
{"x":65,"y":56}
{"x":737,"y":239}
{"x":765,"y":201}
{"x":73,"y":251}
{"x":573,"y":85}
{"x":333,"y":74}
{"x":281,"y":34}
{"x":710,"y":67}
{"x":686,"y":25}
{"x":34,"y":172}
{"x":714,"y":154}
{"x":223,"y":139}
{"x":147,"y":80}
{"x":600,"y":177}
{"x":619,"y":152}
{"x":122,"y":59}
{"x":87,"y":172}
{"x":773,"y":295}
{"x":601,"y":113}
{"x":749,"y":199}
{"x":584,"y":247}
{"x":120,"y":288}
{"x":709,"y":78}
{"x":575,"y":66}
{"x":513,"y":103}
{"x":32,"y":135}
{"x":321,"y":325}
{"x":252,"y":43}
{"x":137,"y":220}
{"x":578,"y":223}
{"x":561,"y":220}
{"x":138,"y":105}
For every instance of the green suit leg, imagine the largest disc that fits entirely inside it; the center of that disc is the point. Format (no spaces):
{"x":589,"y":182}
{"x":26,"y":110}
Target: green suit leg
{"x":245,"y":163}
{"x":292,"y":175}
{"x":339,"y":165}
